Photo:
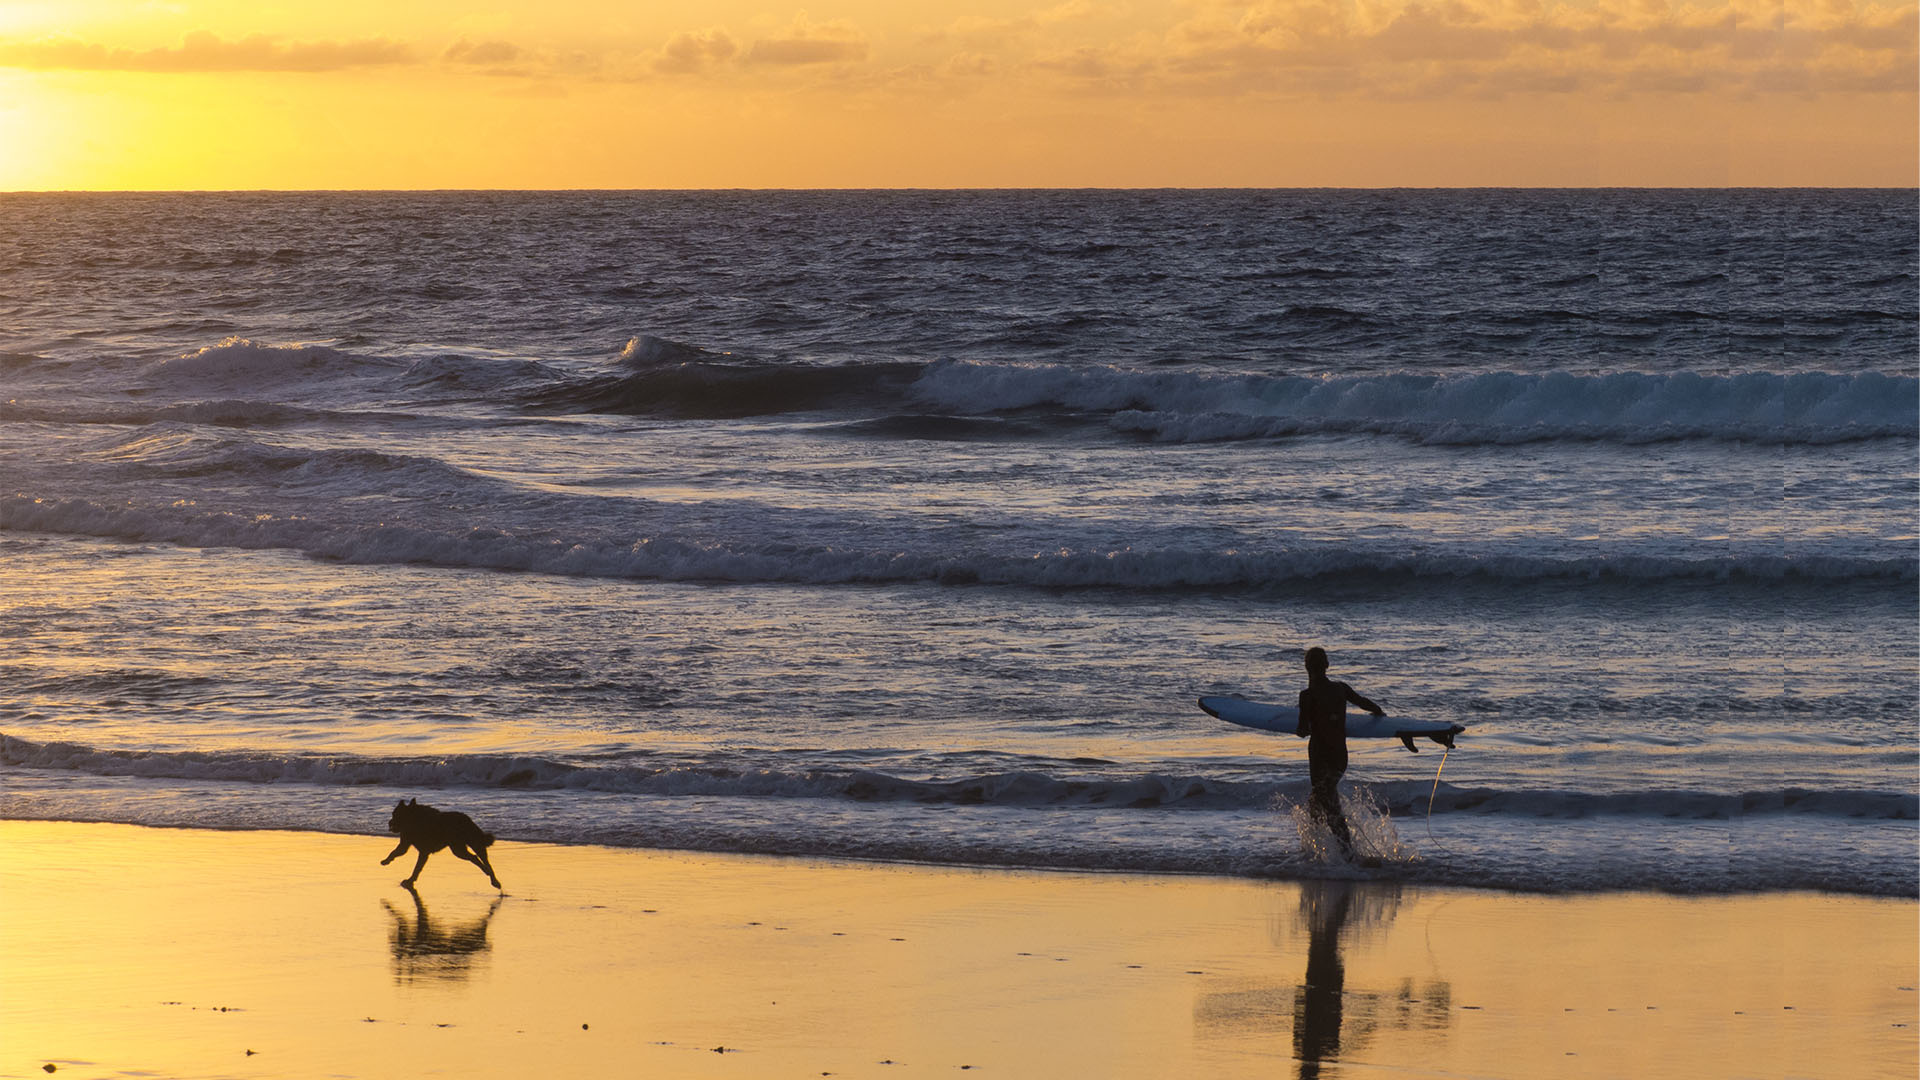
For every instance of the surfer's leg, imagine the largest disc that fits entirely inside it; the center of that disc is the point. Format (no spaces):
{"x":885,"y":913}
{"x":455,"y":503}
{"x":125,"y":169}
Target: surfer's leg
{"x":1317,"y":797}
{"x":1324,"y":805}
{"x":1337,"y":821}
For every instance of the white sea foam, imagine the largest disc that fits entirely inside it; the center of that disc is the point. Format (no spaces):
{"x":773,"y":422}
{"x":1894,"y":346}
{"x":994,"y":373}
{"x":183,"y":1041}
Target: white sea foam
{"x":1371,"y":807}
{"x":238,"y":359}
{"x":648,"y":350}
{"x":1644,"y":850}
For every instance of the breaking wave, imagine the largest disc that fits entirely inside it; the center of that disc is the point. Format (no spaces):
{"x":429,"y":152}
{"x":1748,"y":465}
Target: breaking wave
{"x":665,"y":378}
{"x":655,"y":376}
{"x":1014,"y":788}
{"x":1497,"y":408}
{"x":661,"y":555}
{"x":659,"y":377}
{"x":238,"y":359}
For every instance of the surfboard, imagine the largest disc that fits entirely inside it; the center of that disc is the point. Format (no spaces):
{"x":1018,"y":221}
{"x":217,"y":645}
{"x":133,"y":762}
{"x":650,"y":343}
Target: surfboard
{"x":1283,"y":719}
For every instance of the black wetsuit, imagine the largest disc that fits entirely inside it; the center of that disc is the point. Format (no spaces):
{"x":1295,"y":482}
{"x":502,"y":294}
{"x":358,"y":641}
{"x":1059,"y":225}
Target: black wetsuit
{"x":1323,"y":720}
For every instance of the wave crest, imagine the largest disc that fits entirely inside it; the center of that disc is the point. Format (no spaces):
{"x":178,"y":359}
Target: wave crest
{"x":666,"y":557}
{"x":236,"y":359}
{"x":668,"y":378}
{"x":1033,"y":788}
{"x":1493,"y":408}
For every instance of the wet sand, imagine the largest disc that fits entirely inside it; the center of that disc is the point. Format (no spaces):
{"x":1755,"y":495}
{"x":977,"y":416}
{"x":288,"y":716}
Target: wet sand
{"x":147,"y":952}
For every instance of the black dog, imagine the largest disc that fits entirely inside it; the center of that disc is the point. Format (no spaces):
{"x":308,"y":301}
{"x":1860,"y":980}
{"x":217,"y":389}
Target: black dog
{"x":430,"y":830}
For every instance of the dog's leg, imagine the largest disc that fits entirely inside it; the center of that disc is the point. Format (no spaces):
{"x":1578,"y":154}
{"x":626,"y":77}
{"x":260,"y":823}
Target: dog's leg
{"x":480,"y":859}
{"x":487,"y":865}
{"x":418,"y":865}
{"x":477,"y":857}
{"x":397,"y":852}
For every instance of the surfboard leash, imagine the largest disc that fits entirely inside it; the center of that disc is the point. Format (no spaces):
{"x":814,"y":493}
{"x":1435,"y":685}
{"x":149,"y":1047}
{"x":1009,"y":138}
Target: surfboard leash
{"x":1432,"y":794}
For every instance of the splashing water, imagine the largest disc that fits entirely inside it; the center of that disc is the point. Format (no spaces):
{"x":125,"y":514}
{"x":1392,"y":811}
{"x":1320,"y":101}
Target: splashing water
{"x":1368,"y":820}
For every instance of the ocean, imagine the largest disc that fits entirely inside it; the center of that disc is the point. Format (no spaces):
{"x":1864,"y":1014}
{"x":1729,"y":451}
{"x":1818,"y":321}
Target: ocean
{"x":909,"y":525}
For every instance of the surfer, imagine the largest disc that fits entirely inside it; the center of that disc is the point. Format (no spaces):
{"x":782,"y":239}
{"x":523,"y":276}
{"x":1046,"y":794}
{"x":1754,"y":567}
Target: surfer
{"x":1323,"y":722}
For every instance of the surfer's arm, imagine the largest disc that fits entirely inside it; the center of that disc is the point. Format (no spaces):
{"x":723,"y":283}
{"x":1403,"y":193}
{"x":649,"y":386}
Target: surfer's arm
{"x":1302,"y":728}
{"x":1355,"y":698}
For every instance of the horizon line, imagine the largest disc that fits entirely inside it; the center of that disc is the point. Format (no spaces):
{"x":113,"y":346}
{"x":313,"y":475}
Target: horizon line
{"x":955,"y":188}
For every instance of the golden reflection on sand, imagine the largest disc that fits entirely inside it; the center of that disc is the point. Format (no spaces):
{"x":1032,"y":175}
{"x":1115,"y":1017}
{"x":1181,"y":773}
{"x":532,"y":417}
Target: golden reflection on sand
{"x":193,"y":953}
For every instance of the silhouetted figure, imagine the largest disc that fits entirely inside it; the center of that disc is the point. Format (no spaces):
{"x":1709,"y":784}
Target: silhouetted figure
{"x":1318,"y":1004}
{"x":425,"y":949}
{"x":429,"y":830}
{"x":1323,"y":721}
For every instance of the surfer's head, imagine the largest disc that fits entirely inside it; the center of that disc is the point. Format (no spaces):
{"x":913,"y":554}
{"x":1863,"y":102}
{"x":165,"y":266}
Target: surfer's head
{"x":1316,"y":661}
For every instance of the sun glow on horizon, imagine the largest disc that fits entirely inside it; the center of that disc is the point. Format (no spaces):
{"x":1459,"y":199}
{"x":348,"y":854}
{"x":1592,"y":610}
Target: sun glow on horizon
{"x":589,"y":93}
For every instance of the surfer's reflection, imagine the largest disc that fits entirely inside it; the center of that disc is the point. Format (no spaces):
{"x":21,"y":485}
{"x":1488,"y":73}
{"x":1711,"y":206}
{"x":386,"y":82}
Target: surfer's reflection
{"x":427,"y":950}
{"x":1326,"y":1019}
{"x":1317,"y":1003}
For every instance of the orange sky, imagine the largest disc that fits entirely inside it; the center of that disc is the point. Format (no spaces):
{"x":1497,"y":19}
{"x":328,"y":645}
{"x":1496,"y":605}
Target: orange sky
{"x":745,"y":93}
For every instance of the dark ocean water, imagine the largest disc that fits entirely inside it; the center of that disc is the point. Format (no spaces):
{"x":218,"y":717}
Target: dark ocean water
{"x":909,"y":524}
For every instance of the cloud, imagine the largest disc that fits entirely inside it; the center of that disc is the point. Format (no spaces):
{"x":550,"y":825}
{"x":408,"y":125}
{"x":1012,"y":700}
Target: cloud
{"x":498,"y":58}
{"x":801,"y":44}
{"x":981,"y":27}
{"x":808,"y":42}
{"x":1479,"y":48}
{"x":805,"y":51}
{"x":969,"y":65}
{"x":203,"y":51}
{"x":687,"y":53}
{"x":1379,"y":49}
{"x":1114,"y":68}
{"x":485,"y":53}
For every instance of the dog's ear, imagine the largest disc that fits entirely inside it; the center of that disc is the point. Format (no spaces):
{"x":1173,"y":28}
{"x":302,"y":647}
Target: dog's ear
{"x":415,"y":801}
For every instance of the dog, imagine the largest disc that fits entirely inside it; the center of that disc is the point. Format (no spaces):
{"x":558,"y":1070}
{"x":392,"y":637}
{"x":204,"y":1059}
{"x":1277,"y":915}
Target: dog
{"x":429,"y":830}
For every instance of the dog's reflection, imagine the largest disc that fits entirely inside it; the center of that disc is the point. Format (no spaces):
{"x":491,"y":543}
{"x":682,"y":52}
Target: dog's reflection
{"x":427,"y":950}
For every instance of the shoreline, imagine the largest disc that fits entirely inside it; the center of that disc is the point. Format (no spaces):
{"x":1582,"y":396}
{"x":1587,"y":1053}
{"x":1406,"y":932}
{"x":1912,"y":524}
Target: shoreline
{"x":1410,"y":874}
{"x":178,"y":950}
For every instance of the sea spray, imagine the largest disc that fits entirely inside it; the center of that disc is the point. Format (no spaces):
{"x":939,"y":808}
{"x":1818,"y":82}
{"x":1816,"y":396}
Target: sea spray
{"x":1369,"y":822}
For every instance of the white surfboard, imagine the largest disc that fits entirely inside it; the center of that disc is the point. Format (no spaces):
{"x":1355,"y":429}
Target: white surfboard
{"x":1284,"y":719}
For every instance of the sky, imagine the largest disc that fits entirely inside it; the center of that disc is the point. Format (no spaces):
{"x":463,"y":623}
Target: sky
{"x":245,"y":94}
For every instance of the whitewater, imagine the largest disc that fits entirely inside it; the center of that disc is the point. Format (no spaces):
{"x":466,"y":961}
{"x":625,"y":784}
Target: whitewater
{"x":909,"y":525}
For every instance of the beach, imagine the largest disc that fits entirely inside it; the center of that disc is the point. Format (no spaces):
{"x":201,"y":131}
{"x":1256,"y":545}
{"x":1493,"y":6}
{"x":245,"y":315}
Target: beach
{"x":198,"y":953}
